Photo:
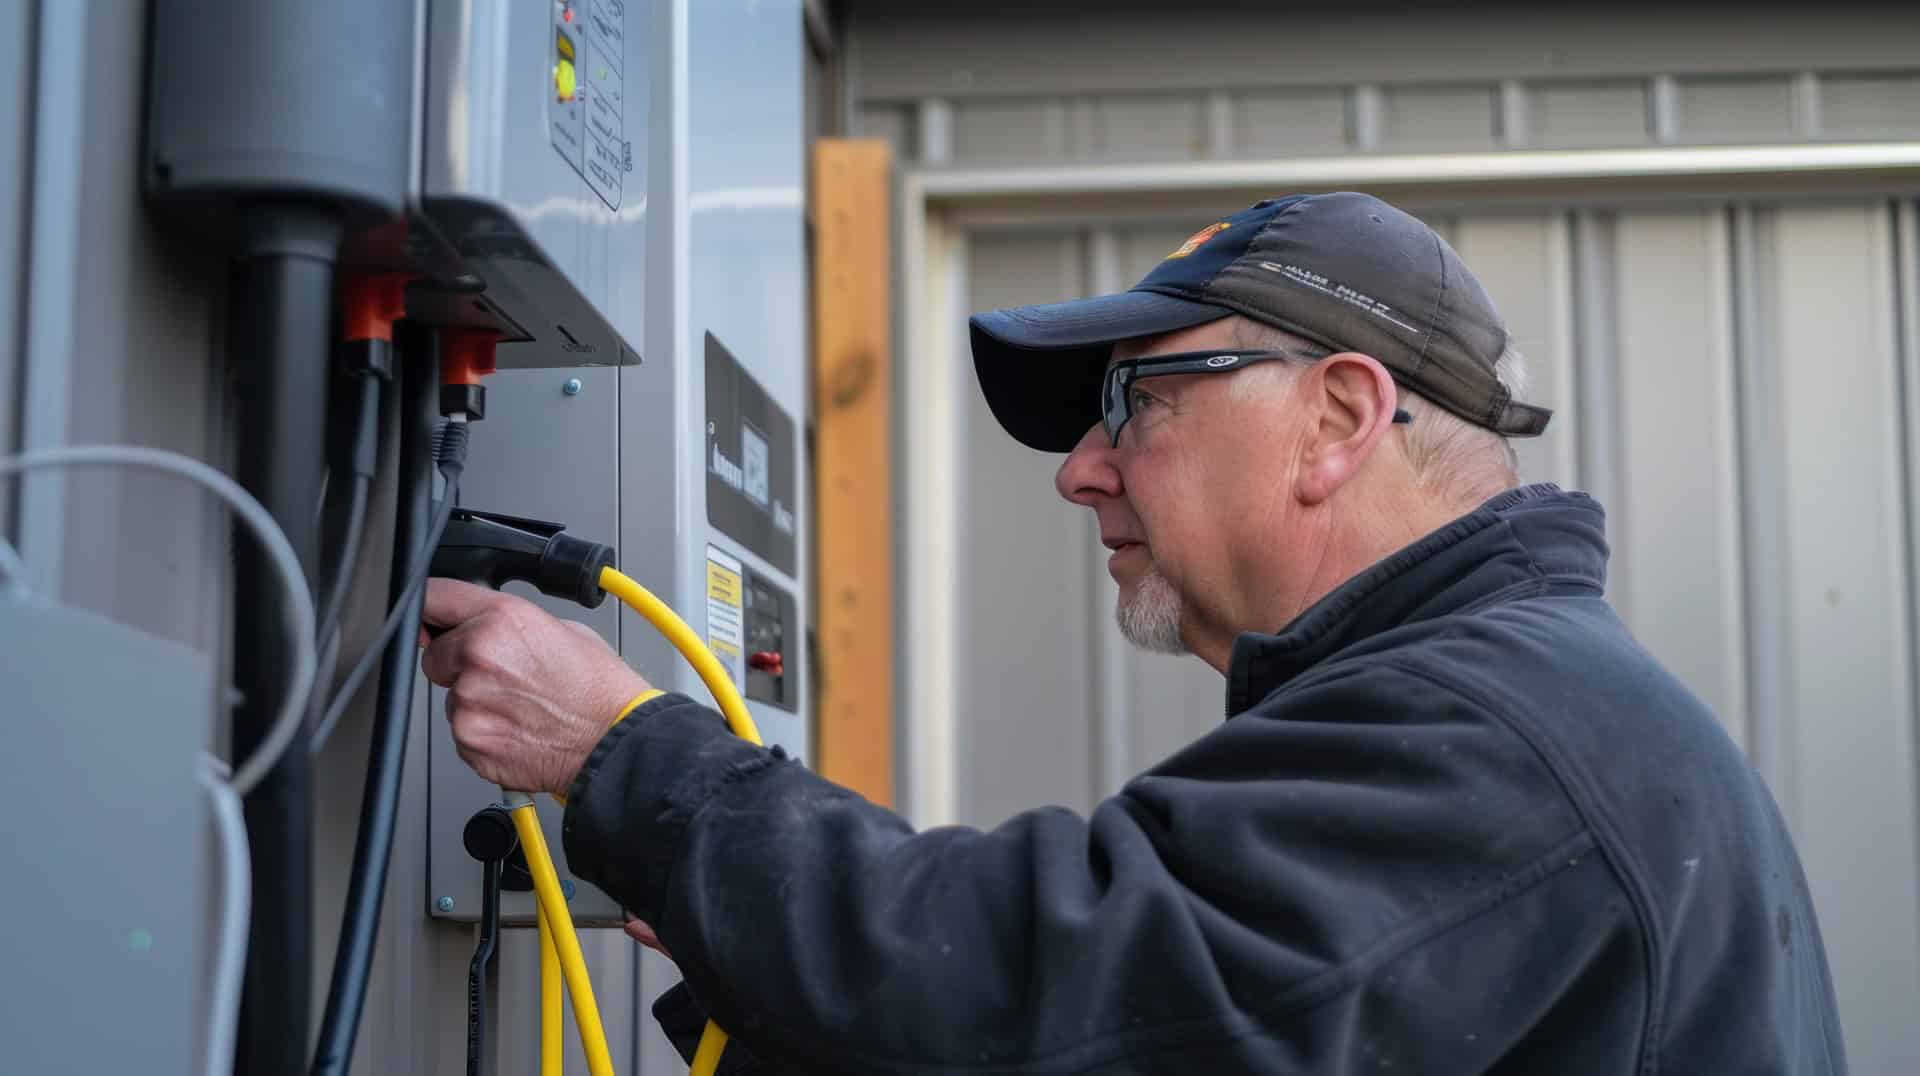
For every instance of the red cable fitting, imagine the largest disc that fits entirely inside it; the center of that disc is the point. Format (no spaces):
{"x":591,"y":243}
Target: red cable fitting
{"x":370,"y":303}
{"x":466,"y":356}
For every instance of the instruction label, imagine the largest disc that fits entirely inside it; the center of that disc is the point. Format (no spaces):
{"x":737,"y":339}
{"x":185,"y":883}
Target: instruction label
{"x":587,"y":98}
{"x":725,"y":623}
{"x":751,"y":474}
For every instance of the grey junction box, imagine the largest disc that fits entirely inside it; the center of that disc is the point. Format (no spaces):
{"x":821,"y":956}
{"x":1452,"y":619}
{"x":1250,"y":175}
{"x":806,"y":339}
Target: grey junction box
{"x":107,"y":838}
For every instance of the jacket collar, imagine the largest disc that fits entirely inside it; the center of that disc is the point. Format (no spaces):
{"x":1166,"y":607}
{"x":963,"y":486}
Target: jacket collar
{"x":1532,"y":533}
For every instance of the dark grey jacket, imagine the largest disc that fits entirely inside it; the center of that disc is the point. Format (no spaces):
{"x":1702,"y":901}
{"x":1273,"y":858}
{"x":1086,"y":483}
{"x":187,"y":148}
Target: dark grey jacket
{"x":1457,"y":822}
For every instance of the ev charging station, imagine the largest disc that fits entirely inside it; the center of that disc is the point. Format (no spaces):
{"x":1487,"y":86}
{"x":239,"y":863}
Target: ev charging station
{"x":587,"y":217}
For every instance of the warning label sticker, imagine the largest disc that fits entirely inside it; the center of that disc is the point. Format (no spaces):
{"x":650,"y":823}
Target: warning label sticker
{"x":724,"y":622}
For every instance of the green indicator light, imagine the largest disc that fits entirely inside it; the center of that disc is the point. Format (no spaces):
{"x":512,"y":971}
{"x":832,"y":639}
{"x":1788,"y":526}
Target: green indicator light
{"x":140,"y":940}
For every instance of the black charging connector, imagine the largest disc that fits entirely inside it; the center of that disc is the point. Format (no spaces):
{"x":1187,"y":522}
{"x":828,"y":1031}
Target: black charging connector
{"x":493,"y":549}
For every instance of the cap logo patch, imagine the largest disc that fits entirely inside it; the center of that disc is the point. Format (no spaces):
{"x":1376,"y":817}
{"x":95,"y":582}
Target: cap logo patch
{"x":1193,"y":241}
{"x":1219,"y":361}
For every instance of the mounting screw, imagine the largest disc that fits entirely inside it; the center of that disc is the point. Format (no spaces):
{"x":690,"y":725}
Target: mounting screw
{"x":566,"y":888}
{"x":445,"y":904}
{"x":572,"y":387}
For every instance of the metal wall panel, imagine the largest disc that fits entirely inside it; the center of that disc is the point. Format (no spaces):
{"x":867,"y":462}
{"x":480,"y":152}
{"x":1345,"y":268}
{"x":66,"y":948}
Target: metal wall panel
{"x":1456,"y":116}
{"x":1736,"y":109}
{"x":1675,"y":533}
{"x":16,"y":81}
{"x":1523,"y":262}
{"x":1025,"y":712}
{"x":1847,"y":589}
{"x":894,"y":124}
{"x":1279,"y":122}
{"x":1225,"y":79}
{"x":1868,"y":105}
{"x":123,"y":329}
{"x":1588,"y":113}
{"x":911,"y":49}
{"x":1009,"y":130}
{"x":1141,"y":126}
{"x":541,"y":454}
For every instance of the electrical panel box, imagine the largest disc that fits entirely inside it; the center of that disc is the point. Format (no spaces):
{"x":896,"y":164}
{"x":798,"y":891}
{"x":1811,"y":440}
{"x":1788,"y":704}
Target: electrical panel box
{"x":636,"y":235}
{"x":534,"y":187}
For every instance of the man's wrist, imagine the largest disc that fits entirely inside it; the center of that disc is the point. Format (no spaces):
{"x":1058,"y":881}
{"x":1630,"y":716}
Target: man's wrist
{"x":635,"y":703}
{"x":647,"y":696}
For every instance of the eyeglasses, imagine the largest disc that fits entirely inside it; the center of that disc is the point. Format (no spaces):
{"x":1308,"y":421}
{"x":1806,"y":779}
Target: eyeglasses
{"x":1116,"y":387}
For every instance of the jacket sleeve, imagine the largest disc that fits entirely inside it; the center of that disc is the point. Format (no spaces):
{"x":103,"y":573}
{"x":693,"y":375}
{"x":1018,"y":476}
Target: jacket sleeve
{"x":1371,"y":870}
{"x":683,"y":1021}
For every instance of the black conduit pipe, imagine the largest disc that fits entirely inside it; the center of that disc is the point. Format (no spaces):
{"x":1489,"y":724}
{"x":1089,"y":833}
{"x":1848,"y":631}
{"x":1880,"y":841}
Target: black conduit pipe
{"x":281,"y":352}
{"x":419,"y":376}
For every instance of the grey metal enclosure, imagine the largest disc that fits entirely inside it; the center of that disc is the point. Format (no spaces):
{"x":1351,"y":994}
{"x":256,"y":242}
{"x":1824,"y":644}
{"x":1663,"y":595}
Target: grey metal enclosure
{"x":638,"y":245}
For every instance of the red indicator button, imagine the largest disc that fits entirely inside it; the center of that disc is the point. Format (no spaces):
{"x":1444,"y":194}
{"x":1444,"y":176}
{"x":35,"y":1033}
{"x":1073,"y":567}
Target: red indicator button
{"x":767,"y":661}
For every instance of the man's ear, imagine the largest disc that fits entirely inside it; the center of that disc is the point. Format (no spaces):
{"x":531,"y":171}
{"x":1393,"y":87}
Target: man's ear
{"x":1352,"y":399}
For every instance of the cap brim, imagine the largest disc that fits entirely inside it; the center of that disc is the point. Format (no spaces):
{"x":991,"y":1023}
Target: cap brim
{"x":1040,"y":366}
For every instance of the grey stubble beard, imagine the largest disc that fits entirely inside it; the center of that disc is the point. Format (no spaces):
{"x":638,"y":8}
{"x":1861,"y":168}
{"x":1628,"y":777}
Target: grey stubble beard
{"x":1150,"y":617}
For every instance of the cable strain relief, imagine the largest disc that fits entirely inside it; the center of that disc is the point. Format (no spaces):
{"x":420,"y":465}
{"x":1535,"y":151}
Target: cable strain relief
{"x":450,"y":446}
{"x":470,"y":400}
{"x":370,"y":356}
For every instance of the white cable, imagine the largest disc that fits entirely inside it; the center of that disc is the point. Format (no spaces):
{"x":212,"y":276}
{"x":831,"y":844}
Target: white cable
{"x":13,"y":571}
{"x":235,"y":908}
{"x":297,"y":609}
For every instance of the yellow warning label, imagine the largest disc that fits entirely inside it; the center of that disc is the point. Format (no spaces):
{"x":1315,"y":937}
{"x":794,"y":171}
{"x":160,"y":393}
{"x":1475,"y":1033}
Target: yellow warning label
{"x":725,"y":636}
{"x":723,"y":585}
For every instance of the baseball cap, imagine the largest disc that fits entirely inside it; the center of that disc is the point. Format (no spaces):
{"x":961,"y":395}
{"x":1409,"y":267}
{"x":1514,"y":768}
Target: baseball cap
{"x":1347,"y":271}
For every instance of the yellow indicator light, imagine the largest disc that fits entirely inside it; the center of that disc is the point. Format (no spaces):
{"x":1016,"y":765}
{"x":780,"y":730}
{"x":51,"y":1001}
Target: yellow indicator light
{"x":565,"y":81}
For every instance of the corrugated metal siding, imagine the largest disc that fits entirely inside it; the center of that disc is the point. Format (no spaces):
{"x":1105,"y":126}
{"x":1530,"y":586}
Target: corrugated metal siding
{"x":1765,"y":107}
{"x":1135,"y":86}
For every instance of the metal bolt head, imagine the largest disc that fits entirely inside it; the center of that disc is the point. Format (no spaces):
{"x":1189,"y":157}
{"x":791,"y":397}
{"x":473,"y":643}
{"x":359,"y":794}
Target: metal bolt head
{"x":566,"y":888}
{"x":445,"y":904}
{"x":572,"y":387}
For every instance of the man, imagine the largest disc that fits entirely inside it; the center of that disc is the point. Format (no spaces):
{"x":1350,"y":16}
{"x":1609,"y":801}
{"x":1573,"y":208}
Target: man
{"x":1456,"y":821}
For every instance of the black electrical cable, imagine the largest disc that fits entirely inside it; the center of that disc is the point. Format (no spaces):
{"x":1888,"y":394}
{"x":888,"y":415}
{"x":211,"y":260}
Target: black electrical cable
{"x":490,"y":839}
{"x":350,"y":685}
{"x":358,"y":469}
{"x":284,"y":309}
{"x":484,"y":952}
{"x":380,"y":802}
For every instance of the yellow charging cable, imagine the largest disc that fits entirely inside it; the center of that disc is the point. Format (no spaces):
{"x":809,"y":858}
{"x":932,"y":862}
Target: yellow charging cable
{"x":557,"y":933}
{"x":549,"y":996}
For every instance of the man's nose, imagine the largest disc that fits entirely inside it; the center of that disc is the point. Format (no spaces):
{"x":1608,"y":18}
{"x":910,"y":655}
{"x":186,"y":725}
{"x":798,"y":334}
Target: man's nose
{"x":1089,"y":473}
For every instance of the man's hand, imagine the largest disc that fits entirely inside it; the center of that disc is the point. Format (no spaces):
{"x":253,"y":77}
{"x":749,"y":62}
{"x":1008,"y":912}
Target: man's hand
{"x":644,"y":934}
{"x":528,"y":695}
